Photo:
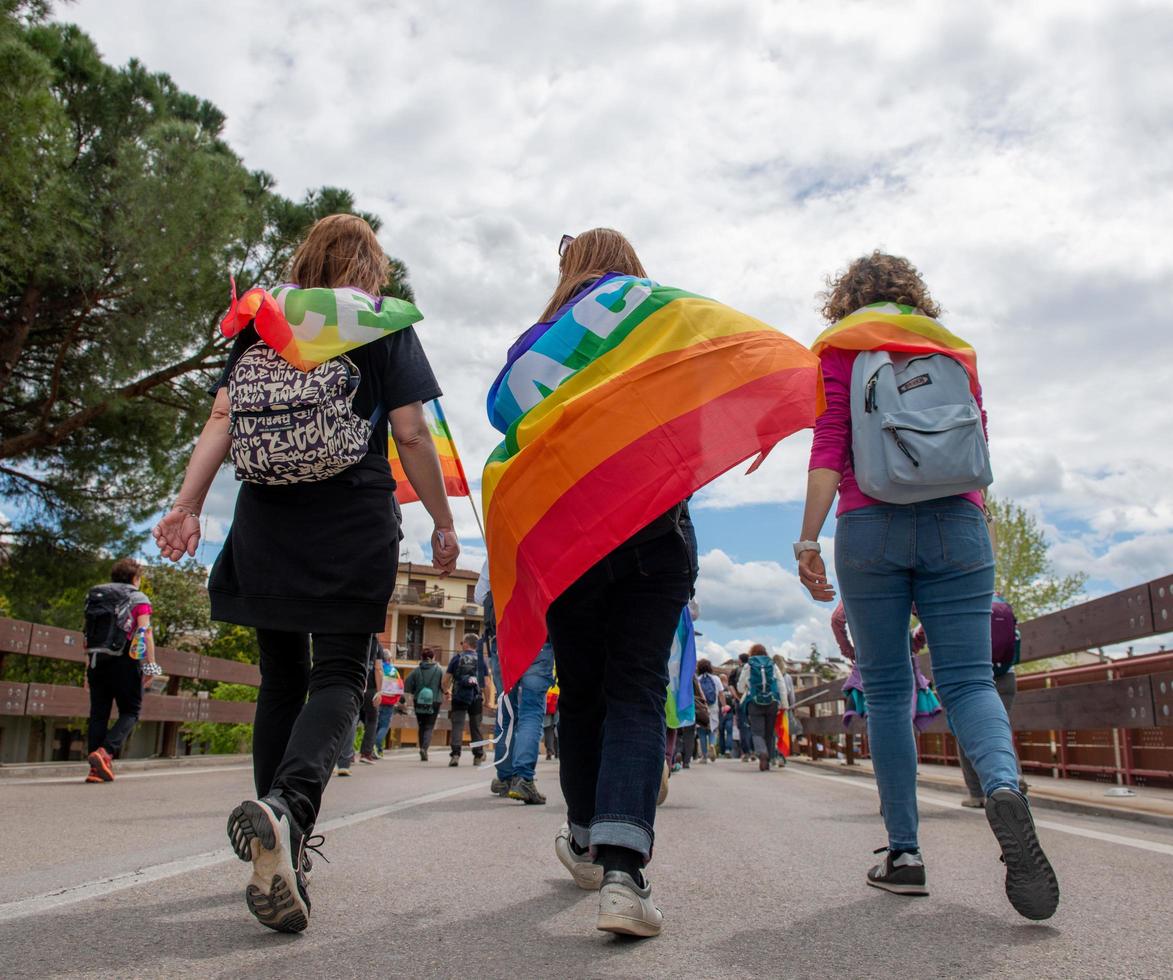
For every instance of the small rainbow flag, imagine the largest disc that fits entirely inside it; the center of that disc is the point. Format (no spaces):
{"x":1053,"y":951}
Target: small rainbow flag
{"x":455,"y":482}
{"x":633,"y":397}
{"x":307,"y":327}
{"x":896,"y":327}
{"x":679,"y":707}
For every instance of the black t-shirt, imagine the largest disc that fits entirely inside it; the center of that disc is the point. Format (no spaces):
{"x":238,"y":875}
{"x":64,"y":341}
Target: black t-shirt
{"x":394,"y":372}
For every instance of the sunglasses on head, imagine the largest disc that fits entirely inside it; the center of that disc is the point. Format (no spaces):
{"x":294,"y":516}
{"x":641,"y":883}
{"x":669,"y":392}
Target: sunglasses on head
{"x":564,"y":244}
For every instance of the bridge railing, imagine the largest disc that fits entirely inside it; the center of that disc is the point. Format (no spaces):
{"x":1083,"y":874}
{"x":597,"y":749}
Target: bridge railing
{"x":1111,"y":720}
{"x":173,"y":708}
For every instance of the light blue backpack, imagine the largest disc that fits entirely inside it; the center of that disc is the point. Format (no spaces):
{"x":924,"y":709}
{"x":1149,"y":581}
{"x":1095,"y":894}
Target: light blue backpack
{"x":916,"y":430}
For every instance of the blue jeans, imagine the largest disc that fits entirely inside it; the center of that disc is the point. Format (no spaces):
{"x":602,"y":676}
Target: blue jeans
{"x":528,"y":700}
{"x":612,"y":632}
{"x":936,"y":554}
{"x":705,"y":736}
{"x":743,"y":727}
{"x":725,"y":733}
{"x":386,"y":713}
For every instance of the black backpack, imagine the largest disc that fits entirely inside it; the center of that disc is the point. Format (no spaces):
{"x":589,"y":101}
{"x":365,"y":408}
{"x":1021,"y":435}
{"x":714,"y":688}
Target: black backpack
{"x":108,"y":619}
{"x":466,"y":689}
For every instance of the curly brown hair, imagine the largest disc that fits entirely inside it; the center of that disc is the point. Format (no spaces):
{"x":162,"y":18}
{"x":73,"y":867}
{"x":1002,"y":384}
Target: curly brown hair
{"x":876,"y":278}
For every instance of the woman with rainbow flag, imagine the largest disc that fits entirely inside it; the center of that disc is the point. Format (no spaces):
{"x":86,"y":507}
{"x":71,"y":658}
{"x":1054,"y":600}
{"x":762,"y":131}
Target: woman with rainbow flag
{"x":316,"y":372}
{"x":904,"y":421}
{"x":625,"y":398}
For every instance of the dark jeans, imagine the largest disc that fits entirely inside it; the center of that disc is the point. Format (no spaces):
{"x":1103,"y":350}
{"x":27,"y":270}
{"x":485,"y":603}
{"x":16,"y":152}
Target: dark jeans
{"x":113,"y":680}
{"x":687,"y":745}
{"x":762,"y":718}
{"x":368,"y":717}
{"x":427,"y":724}
{"x":473,"y":712}
{"x":550,"y":740}
{"x":612,"y":632}
{"x":743,"y":727}
{"x":295,"y":740}
{"x":725,"y":733}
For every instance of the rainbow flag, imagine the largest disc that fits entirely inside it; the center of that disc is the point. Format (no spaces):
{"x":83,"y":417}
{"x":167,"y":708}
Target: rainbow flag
{"x":307,"y":327}
{"x":895,"y":327}
{"x":679,"y":708}
{"x":633,"y":397}
{"x":455,"y":482}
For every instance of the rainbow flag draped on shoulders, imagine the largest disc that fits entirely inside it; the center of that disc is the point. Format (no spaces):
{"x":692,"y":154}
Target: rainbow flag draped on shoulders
{"x":455,"y":482}
{"x":898,"y":328}
{"x":633,"y":397}
{"x":307,"y":327}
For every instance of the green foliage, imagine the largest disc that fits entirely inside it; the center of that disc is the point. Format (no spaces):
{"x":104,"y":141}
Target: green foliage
{"x":1025,"y":575}
{"x":181,"y":614}
{"x":220,"y":738}
{"x":123,"y":213}
{"x":232,"y":642}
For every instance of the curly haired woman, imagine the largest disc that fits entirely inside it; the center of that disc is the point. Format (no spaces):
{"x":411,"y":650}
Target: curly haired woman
{"x":934,"y":552}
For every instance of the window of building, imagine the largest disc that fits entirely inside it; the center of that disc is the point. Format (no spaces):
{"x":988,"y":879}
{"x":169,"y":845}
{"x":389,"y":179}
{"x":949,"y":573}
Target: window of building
{"x":470,"y":593}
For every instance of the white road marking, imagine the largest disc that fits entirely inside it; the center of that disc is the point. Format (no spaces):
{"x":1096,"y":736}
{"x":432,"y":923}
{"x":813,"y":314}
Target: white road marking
{"x":855,"y":782}
{"x":72,"y":894}
{"x":14,"y":781}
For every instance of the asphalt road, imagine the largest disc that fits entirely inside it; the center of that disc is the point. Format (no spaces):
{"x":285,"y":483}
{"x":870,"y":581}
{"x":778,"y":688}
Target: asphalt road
{"x":759,"y":874}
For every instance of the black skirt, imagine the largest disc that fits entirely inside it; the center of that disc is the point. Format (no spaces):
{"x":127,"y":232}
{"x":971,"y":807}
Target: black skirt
{"x":311,"y":557}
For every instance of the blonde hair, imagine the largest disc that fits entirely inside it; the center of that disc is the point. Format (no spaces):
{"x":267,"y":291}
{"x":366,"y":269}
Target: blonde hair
{"x":340,"y":250}
{"x":592,"y":254}
{"x":876,"y":278}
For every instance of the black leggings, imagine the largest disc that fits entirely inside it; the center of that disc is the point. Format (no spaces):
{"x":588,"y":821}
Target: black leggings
{"x":295,"y":739}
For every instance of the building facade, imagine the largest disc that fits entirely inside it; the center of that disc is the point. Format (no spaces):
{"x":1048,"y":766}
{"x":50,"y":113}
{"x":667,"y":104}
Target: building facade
{"x":427,"y":610}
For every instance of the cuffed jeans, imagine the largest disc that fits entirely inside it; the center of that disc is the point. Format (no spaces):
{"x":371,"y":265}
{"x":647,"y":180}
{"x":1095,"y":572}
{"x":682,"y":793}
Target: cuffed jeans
{"x":528,"y":700}
{"x":938,"y":555}
{"x":612,"y":632}
{"x":305,"y":712}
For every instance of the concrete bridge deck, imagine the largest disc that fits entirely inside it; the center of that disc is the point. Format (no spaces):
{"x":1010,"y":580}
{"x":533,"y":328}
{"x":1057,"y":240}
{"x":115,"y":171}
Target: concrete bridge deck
{"x":759,"y":874}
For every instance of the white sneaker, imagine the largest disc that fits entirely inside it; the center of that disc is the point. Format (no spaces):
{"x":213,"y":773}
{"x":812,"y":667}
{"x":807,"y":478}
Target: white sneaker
{"x":586,"y":874}
{"x":626,"y":907}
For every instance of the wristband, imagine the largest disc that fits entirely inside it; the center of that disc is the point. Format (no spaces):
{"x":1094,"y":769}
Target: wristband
{"x":185,"y":510}
{"x":801,"y":546}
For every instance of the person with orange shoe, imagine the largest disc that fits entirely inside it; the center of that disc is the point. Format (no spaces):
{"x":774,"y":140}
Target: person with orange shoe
{"x":120,"y":661}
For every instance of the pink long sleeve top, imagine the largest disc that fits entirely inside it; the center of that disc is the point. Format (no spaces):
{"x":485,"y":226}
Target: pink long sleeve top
{"x":831,"y":448}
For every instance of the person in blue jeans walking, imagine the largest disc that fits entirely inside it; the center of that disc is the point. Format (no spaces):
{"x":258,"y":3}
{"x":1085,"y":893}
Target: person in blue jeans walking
{"x":935,"y":553}
{"x":517,"y":762}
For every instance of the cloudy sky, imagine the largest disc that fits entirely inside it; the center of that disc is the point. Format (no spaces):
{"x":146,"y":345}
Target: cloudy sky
{"x":1020,"y":154}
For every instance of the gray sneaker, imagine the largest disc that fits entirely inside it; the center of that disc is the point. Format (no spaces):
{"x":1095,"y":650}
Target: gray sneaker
{"x":525,"y":790}
{"x":625,"y":906}
{"x":499,"y":787}
{"x":586,"y":874}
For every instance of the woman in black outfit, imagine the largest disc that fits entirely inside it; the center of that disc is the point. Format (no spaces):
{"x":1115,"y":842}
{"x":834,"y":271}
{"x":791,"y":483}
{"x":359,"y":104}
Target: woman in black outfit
{"x":312,"y":567}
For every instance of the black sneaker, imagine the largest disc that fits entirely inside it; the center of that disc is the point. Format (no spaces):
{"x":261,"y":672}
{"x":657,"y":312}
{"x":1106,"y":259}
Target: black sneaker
{"x":264,"y":832}
{"x":453,"y":760}
{"x":1031,"y":884}
{"x":499,"y":787}
{"x":902,"y":875}
{"x":525,"y":790}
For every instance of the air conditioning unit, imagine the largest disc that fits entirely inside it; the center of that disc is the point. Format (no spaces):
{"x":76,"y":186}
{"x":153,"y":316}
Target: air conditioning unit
{"x":447,"y":623}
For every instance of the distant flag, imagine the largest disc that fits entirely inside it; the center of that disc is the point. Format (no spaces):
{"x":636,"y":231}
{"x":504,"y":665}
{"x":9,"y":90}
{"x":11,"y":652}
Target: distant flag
{"x":455,"y":482}
{"x":681,"y":668}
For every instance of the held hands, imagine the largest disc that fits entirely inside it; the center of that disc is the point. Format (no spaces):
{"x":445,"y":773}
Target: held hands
{"x":445,"y":550}
{"x":177,"y":534}
{"x":813,"y":574}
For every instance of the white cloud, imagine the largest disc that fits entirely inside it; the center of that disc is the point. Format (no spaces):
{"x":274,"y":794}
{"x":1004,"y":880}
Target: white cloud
{"x":1019,"y":154}
{"x":748,"y":594}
